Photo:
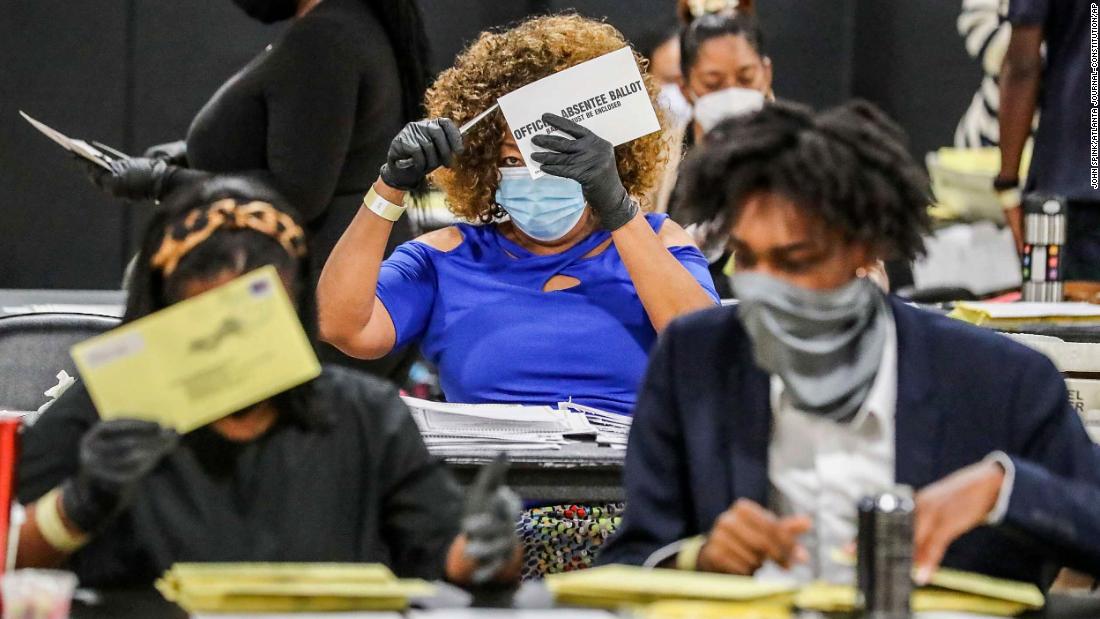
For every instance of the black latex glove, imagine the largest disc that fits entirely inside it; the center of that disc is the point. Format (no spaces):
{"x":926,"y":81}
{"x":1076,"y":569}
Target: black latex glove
{"x":489,"y":521}
{"x":421,"y":147}
{"x":114,"y":456}
{"x":172,"y":153}
{"x":137,"y":178}
{"x":589,"y":160}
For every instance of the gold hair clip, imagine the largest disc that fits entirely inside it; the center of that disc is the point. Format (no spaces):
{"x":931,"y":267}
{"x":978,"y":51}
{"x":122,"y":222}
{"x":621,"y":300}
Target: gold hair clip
{"x":700,"y":8}
{"x":202,"y":222}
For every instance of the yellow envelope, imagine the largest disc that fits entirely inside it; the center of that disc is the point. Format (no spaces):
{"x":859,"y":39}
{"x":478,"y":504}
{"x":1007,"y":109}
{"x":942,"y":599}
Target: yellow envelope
{"x":1023,"y":593}
{"x":693,"y":609}
{"x":287,"y":587}
{"x":832,"y":598}
{"x":615,"y":586}
{"x":216,"y":574}
{"x":201,"y":359}
{"x":950,"y":582}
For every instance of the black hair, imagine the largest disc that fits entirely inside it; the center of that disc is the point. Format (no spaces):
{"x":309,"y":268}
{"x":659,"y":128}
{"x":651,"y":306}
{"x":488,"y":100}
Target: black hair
{"x":715,"y":25}
{"x":651,"y":40}
{"x":403,"y":23}
{"x":235,"y":250}
{"x":226,"y":250}
{"x":849,"y":166}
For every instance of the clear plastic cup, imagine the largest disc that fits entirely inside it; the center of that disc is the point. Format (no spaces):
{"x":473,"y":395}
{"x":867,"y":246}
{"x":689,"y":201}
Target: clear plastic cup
{"x":37,"y":594}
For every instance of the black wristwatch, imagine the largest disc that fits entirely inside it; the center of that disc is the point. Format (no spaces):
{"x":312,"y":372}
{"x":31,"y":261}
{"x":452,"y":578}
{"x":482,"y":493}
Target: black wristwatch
{"x":1002,"y":184}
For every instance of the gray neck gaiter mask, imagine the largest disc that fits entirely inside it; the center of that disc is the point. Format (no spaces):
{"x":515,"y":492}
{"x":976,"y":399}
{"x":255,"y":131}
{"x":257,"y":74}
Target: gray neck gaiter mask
{"x":825,"y":345}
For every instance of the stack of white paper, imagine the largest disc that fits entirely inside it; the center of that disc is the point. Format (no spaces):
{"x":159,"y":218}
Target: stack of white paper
{"x":450,"y":428}
{"x":612,"y":429}
{"x":979,"y":257}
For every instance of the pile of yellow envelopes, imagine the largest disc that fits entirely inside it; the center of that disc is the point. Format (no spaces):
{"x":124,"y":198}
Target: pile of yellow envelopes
{"x":616,"y":586}
{"x":671,"y":594}
{"x":287,"y":587}
{"x":1015,"y":315}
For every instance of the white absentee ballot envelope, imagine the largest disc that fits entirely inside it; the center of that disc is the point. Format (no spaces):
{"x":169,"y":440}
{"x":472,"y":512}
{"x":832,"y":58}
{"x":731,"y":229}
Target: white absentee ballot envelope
{"x":605,"y":94}
{"x":201,"y":359}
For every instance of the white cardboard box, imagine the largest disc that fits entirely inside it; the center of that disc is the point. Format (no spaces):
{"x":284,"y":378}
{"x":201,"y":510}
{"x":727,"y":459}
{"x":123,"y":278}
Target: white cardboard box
{"x":1067,"y":356}
{"x":1084,"y":395}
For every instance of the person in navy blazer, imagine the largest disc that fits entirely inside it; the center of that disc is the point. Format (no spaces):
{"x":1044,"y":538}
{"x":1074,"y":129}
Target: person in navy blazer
{"x":1006,"y":479}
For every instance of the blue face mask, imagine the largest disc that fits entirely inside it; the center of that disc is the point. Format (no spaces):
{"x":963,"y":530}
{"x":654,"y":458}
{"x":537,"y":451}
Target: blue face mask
{"x":544,"y":208}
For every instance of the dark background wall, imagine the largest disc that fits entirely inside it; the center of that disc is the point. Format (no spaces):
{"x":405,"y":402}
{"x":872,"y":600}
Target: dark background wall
{"x":132,"y":73}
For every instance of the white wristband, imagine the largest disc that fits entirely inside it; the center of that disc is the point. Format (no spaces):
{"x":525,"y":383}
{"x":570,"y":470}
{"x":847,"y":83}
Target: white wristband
{"x":47,"y":515}
{"x":382,"y":207}
{"x":688,"y":557}
{"x":1010,"y":198}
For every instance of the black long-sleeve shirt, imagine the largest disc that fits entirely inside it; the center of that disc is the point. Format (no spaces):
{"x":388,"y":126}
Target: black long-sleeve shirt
{"x":345,"y":477}
{"x":316,"y":111}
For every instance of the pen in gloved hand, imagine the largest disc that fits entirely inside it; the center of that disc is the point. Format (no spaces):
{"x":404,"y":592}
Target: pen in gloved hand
{"x":408,"y":162}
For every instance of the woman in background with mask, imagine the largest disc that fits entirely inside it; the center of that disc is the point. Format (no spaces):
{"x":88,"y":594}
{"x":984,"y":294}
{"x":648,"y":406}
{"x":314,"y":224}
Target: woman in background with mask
{"x":310,"y":115}
{"x":662,"y":49}
{"x":561,"y":290}
{"x":724,"y":73}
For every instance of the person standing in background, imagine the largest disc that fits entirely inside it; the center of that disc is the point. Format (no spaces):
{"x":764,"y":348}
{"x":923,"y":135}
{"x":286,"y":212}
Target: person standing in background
{"x":984,"y":26}
{"x":312,"y":114}
{"x":1061,"y":162}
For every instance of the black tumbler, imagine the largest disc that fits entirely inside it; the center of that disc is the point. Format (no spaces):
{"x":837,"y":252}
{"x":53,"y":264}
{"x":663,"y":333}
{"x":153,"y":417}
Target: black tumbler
{"x":884,"y":560}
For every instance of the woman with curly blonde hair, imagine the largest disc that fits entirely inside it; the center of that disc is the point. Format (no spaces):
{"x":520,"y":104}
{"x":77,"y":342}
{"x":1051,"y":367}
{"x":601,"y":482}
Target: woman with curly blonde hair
{"x":559,"y":289}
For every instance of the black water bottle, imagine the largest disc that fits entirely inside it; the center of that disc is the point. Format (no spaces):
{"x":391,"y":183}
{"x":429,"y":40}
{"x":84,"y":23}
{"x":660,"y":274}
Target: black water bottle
{"x":884,"y":562}
{"x":1045,"y":223}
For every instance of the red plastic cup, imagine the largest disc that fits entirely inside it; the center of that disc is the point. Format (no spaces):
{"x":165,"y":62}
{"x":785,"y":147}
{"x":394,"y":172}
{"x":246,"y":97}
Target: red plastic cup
{"x":10,"y":423}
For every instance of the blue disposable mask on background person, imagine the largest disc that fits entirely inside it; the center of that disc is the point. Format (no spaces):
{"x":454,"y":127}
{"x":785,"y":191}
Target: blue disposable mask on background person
{"x":544,"y":208}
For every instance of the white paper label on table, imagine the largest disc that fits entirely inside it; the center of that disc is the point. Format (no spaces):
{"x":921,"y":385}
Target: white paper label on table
{"x":605,"y":94}
{"x":359,"y":614}
{"x":510,"y":613}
